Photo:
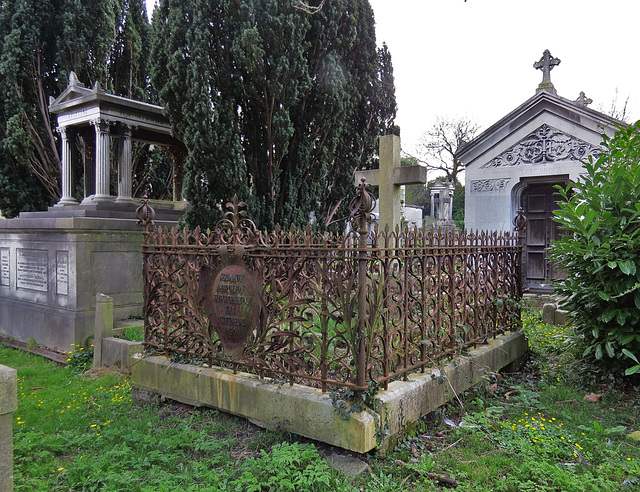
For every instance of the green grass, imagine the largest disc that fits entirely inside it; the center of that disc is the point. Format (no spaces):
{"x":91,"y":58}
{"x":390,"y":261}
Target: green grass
{"x":134,"y":333}
{"x":526,"y":431}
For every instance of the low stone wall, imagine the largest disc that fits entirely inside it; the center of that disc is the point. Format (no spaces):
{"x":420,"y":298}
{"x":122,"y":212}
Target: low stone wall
{"x":309,"y":412}
{"x":117,"y":353}
{"x":8,"y":405}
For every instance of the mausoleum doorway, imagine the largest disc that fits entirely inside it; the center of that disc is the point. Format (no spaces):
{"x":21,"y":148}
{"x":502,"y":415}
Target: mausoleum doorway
{"x":539,"y":198}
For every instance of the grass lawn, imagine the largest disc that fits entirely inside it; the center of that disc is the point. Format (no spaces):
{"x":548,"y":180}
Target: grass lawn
{"x":526,"y":431}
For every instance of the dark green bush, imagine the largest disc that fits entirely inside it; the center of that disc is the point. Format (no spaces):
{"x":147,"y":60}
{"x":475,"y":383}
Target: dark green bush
{"x":600,"y":252}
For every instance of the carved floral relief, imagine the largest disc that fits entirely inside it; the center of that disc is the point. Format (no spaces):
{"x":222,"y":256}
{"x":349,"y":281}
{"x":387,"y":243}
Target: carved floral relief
{"x":545,"y":145}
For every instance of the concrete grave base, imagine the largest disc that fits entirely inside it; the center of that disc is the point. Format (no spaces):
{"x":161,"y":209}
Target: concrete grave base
{"x":309,"y":412}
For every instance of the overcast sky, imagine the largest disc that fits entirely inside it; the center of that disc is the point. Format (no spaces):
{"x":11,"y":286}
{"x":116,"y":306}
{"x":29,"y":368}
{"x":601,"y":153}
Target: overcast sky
{"x":475,"y":59}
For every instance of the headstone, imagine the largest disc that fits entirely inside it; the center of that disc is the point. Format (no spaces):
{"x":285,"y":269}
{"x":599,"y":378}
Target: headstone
{"x":549,"y":314}
{"x":389,"y":178}
{"x":51,"y":269}
{"x":103,"y":326}
{"x":8,"y":405}
{"x":561,"y":318}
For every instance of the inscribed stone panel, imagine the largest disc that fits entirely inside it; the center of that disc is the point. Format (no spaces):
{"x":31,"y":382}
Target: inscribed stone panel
{"x":32,"y":269}
{"x":5,"y":271}
{"x":62,"y":273}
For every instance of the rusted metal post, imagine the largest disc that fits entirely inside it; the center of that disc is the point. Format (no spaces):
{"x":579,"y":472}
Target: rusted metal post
{"x":361,"y":207}
{"x":145,"y":215}
{"x":520,"y":227}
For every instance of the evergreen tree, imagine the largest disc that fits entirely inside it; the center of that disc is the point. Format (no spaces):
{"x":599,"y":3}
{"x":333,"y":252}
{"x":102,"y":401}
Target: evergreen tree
{"x":273,"y":104}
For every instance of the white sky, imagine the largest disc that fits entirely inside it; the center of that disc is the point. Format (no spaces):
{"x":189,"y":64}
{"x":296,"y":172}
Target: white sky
{"x":475,"y":59}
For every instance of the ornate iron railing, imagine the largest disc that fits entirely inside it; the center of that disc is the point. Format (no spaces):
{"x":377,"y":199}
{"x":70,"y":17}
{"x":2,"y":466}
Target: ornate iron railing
{"x":326,"y":310}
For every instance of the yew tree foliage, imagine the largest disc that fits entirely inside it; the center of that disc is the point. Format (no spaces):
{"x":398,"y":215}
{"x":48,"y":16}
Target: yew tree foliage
{"x":273,"y":104}
{"x":600,"y":251}
{"x":41,"y":41}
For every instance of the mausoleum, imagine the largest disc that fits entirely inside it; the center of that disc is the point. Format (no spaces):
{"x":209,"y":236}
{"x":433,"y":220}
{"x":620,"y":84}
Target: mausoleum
{"x":53,"y":263}
{"x":517,"y":162}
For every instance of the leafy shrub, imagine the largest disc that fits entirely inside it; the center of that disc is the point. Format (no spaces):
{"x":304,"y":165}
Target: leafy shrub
{"x":601,"y":252}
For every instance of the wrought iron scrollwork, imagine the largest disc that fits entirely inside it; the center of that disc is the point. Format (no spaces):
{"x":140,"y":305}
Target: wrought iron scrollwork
{"x":235,"y":226}
{"x":332,"y":315}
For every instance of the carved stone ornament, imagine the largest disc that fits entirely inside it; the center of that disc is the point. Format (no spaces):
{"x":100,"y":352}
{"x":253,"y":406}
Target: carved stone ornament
{"x":488,"y":185}
{"x":545,"y":145}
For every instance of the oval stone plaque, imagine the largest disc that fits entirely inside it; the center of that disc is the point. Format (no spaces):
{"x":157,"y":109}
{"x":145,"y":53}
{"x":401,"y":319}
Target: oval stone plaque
{"x":233,"y":308}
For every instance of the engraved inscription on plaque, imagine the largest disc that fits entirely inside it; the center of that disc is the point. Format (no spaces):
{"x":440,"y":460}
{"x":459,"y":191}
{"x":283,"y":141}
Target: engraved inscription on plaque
{"x":5,"y":272}
{"x":232,"y":304}
{"x":62,"y":273}
{"x":32,"y":269}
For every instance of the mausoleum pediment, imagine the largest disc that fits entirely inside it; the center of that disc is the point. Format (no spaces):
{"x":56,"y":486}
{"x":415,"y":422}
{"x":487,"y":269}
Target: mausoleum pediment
{"x":545,"y":145}
{"x":545,"y":129}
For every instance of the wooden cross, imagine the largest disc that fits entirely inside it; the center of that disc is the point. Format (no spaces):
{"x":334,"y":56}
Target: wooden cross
{"x":546,"y":64}
{"x":389,"y":178}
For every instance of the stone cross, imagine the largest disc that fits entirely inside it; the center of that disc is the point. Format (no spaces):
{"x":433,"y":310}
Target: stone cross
{"x":389,"y":178}
{"x":583,"y":99}
{"x":546,"y":64}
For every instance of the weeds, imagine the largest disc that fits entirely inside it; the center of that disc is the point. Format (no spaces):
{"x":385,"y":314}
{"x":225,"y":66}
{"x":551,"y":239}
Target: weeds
{"x":527,"y":431}
{"x":79,"y":359}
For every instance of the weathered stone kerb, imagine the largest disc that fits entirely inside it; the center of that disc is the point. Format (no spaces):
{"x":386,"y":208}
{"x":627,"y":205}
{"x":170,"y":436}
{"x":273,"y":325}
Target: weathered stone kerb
{"x":309,"y":412}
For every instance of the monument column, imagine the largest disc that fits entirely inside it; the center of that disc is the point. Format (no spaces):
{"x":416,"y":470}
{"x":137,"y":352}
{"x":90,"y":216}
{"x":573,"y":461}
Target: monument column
{"x":124,"y":164}
{"x":102,"y":159}
{"x":89,"y":158}
{"x":66,"y":134}
{"x":433,"y":204}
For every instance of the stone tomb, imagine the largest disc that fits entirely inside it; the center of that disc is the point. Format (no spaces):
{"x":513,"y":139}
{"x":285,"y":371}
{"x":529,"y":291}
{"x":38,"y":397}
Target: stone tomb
{"x":52,"y":269}
{"x":53,"y":263}
{"x":517,"y":162}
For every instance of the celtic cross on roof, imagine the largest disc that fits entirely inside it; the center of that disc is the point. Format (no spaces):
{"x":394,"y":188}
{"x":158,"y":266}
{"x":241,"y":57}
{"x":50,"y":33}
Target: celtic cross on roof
{"x":546,"y":64}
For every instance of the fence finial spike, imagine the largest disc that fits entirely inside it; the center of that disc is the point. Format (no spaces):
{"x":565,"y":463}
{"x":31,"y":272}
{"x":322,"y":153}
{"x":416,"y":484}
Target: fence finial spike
{"x":520,"y":222}
{"x":145,"y":213}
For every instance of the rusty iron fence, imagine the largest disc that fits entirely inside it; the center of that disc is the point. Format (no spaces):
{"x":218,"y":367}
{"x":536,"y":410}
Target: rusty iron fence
{"x":329,"y":311}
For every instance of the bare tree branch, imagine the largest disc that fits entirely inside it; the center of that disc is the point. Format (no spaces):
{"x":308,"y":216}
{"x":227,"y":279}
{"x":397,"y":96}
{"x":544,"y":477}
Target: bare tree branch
{"x":309,"y":9}
{"x":615,"y":111}
{"x":438,"y":146}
